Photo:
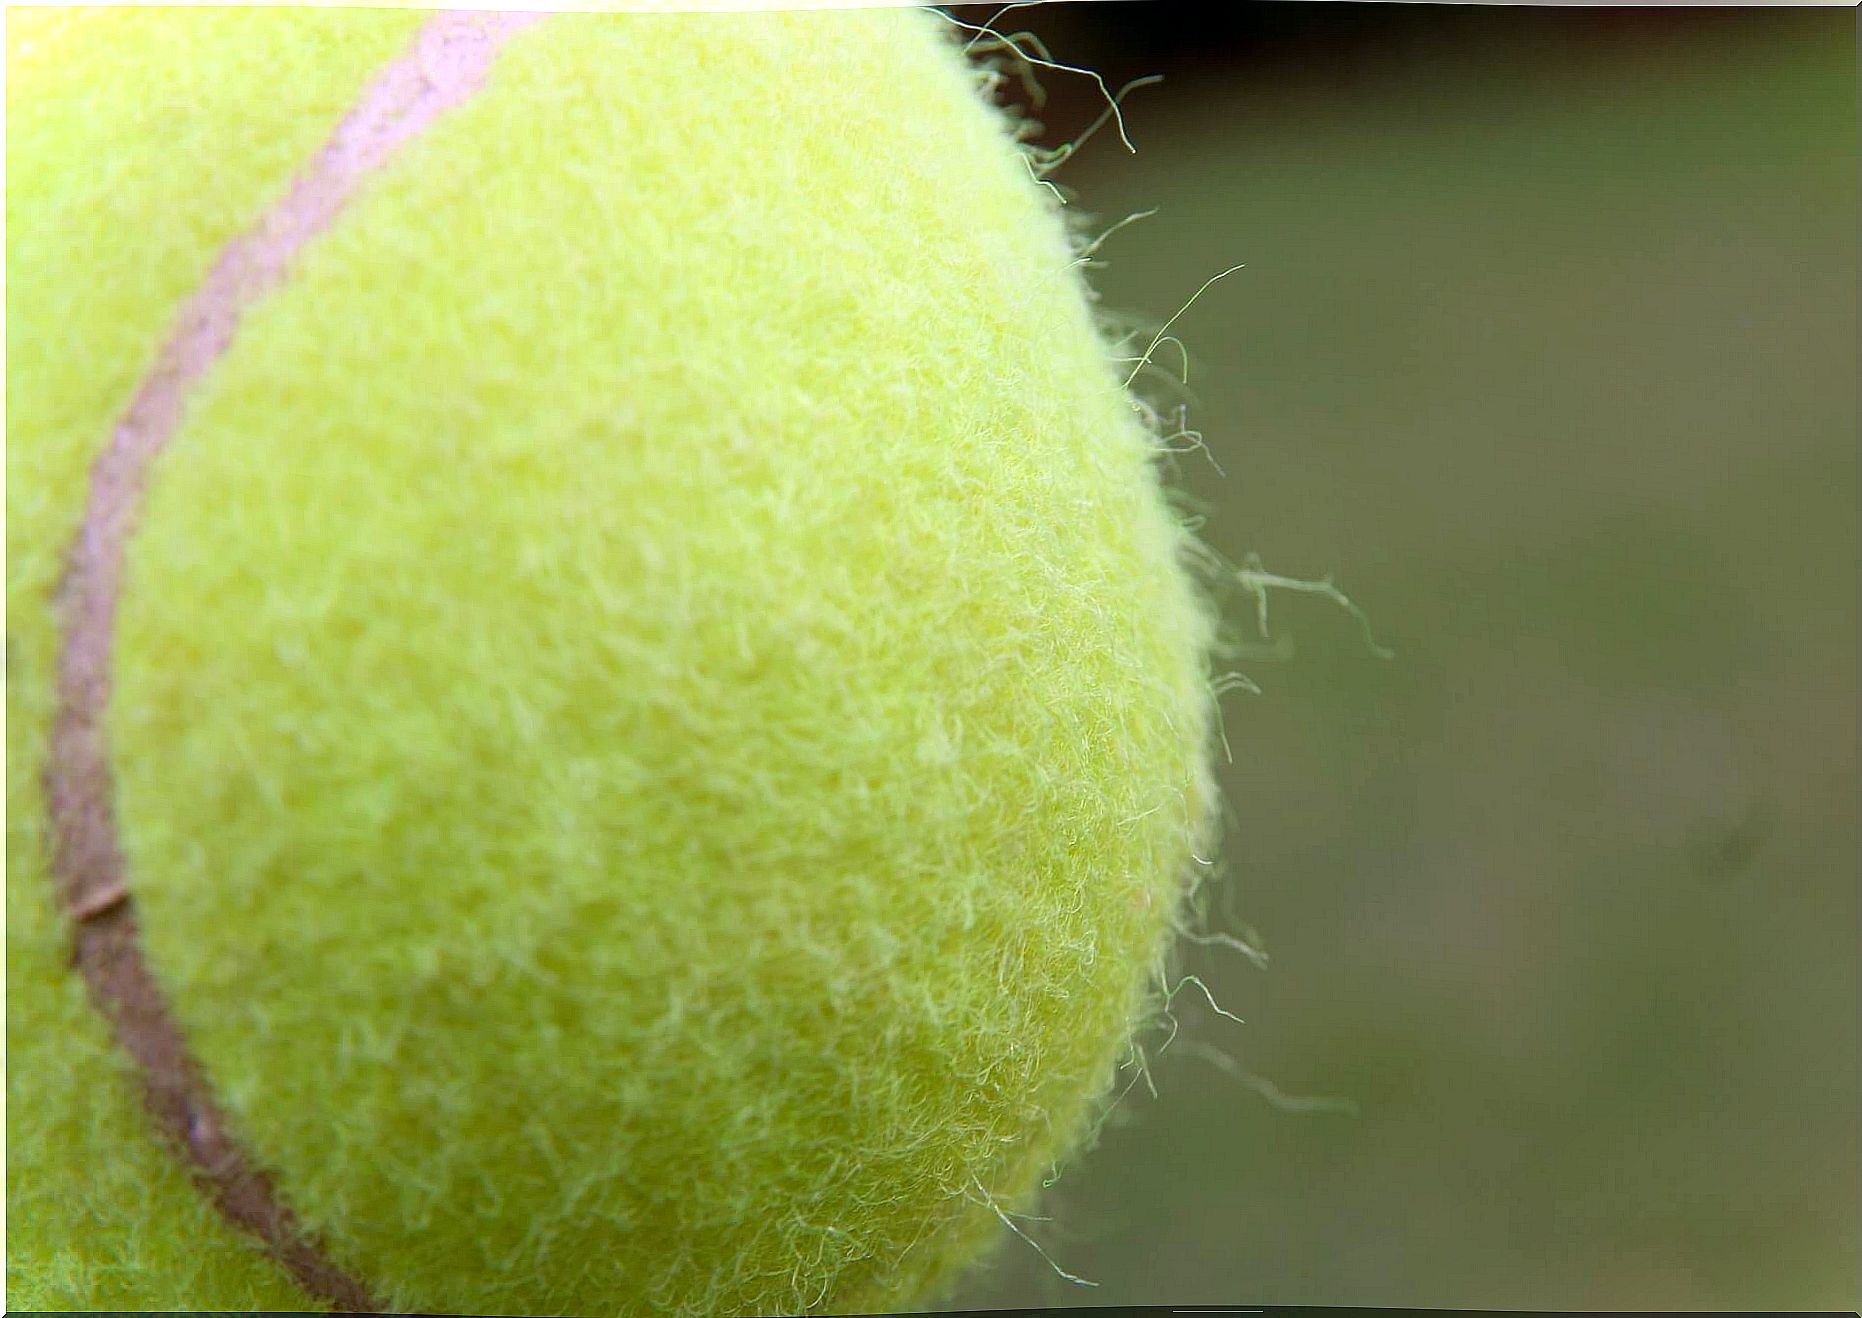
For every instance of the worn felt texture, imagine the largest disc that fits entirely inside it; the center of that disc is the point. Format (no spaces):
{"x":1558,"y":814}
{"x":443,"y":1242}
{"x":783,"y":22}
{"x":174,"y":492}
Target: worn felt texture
{"x":658,"y":722}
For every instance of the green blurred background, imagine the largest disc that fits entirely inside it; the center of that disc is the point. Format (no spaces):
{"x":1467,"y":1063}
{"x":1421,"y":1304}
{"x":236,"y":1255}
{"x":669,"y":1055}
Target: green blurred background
{"x":1546,"y":345}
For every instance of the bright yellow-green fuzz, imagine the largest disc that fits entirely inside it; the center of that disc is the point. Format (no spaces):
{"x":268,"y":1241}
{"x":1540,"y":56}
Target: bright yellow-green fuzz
{"x":658,"y":723}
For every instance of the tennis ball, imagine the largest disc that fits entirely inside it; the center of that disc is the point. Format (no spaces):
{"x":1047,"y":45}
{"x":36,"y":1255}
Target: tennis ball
{"x":604,"y":713}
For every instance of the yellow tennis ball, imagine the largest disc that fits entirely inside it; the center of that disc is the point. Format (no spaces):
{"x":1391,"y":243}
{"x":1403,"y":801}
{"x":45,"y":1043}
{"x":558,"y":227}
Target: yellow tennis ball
{"x":604,"y":713}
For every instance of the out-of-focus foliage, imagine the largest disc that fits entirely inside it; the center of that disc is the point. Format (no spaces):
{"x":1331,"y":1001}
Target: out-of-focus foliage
{"x":1547,"y":346}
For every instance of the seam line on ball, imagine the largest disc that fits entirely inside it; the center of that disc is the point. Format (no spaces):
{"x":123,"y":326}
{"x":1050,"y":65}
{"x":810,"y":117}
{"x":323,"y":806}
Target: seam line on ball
{"x":445,"y":65}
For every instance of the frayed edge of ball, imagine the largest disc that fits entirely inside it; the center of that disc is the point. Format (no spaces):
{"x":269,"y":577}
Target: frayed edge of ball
{"x":1231,"y":596}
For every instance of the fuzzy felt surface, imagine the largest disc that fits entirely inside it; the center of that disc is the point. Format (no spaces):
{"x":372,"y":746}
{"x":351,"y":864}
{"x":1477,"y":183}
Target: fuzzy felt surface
{"x":658,"y":721}
{"x":126,"y":176}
